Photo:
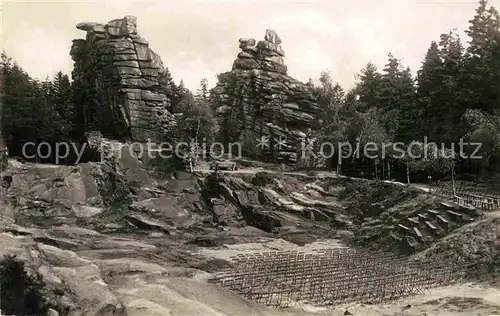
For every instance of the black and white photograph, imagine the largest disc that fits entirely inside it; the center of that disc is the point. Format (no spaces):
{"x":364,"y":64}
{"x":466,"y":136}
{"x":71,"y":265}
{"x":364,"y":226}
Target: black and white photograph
{"x":250,"y":157}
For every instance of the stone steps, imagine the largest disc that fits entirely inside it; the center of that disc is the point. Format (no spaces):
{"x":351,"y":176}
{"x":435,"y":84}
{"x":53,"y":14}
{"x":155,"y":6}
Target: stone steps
{"x":420,"y":228}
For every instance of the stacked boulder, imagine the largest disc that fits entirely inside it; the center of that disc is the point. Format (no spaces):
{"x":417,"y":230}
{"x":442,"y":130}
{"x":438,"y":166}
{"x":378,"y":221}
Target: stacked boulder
{"x":118,"y":82}
{"x":258,"y":105}
{"x":267,"y":55}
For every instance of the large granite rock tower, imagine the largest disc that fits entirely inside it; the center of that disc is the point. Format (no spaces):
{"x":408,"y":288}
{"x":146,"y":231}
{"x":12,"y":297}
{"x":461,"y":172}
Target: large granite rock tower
{"x":118,"y":82}
{"x":259,"y":105}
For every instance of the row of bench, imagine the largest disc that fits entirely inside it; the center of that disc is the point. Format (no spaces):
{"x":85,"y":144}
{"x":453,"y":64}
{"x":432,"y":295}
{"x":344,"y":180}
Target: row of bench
{"x":321,"y":281}
{"x":481,"y":200}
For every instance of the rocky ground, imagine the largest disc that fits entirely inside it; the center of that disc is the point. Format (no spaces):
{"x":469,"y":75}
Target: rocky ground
{"x":139,"y":245}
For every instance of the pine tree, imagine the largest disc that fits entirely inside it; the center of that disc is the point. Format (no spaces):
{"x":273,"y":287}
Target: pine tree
{"x":330,"y":98}
{"x":439,"y":90}
{"x":367,"y":88}
{"x":428,"y":78}
{"x":34,"y":111}
{"x":64,"y":106}
{"x":407,"y":105}
{"x":203,"y":91}
{"x":20,"y":106}
{"x":396,"y":100}
{"x":392,"y":68}
{"x":484,"y":29}
{"x":482,"y":61}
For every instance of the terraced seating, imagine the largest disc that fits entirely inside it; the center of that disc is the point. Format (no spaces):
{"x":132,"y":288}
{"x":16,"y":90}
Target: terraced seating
{"x":422,"y":216}
{"x":403,"y":227}
{"x":418,"y":233}
{"x":433,"y":212}
{"x":443,"y":220}
{"x":417,"y":228}
{"x":431,"y":226}
{"x":455,"y":215}
{"x":482,"y":199}
{"x":413,"y":220}
{"x":325,"y":277}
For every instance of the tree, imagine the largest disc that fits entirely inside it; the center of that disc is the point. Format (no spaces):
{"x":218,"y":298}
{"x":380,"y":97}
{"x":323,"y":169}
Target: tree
{"x":428,"y":78}
{"x":178,"y":94}
{"x":428,"y":158}
{"x":372,"y":131}
{"x":329,"y":97}
{"x":483,"y":29}
{"x":203,"y":92}
{"x":482,"y":60}
{"x":484,"y":128}
{"x":196,"y":123}
{"x":367,"y":88}
{"x":396,"y":99}
{"x":34,"y":111}
{"x":59,"y":95}
{"x":169,"y":88}
{"x":23,"y":113}
{"x":439,"y":91}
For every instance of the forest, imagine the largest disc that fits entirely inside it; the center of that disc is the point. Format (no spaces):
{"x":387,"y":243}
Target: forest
{"x":454,"y":97}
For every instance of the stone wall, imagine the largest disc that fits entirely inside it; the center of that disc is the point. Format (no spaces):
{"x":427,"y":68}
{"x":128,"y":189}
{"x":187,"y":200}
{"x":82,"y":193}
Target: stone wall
{"x":118,"y":82}
{"x":257,"y":100}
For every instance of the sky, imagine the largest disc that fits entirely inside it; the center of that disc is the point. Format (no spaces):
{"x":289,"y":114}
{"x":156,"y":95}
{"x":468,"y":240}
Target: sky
{"x":198,"y":39}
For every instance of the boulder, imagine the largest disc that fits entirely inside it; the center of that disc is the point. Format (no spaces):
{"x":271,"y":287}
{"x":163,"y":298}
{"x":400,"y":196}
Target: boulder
{"x":85,"y":211}
{"x":272,"y":37}
{"x":122,"y":27}
{"x":144,"y":222}
{"x":91,"y":27}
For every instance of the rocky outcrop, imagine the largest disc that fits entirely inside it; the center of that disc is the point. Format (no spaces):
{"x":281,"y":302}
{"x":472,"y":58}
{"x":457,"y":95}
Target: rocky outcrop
{"x":118,"y":82}
{"x":257,"y":100}
{"x":147,"y":259}
{"x":272,"y":206}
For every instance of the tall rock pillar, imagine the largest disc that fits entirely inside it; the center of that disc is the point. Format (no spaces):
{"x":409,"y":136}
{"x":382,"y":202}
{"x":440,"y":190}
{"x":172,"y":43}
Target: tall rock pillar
{"x":260,"y":106}
{"x":118,"y":80}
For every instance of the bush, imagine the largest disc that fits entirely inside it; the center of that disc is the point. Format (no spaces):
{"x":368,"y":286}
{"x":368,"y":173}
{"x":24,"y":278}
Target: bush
{"x":375,"y":191}
{"x":355,"y":189}
{"x":21,"y":294}
{"x":345,"y":236}
{"x":262,"y":179}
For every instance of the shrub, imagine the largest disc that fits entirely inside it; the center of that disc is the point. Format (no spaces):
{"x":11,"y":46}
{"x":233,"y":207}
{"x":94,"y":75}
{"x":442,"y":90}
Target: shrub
{"x":262,"y":179}
{"x":21,"y":294}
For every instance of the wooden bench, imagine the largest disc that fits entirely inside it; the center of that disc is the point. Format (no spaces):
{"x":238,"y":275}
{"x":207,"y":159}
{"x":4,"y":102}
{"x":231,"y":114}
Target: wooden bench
{"x":459,"y":200}
{"x":455,"y":214}
{"x":403,"y":227}
{"x":442,"y":219}
{"x":431,"y":226}
{"x":413,"y":220}
{"x":447,"y":205}
{"x":394,"y":236}
{"x":419,"y":234}
{"x":422,"y":216}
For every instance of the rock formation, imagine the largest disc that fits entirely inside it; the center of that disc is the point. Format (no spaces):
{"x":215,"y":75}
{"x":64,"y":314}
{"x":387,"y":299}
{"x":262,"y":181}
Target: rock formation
{"x":258,"y":99}
{"x":118,"y":82}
